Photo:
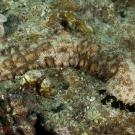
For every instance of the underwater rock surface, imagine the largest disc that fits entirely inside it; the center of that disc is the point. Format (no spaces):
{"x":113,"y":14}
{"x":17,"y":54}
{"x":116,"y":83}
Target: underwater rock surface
{"x":61,"y":53}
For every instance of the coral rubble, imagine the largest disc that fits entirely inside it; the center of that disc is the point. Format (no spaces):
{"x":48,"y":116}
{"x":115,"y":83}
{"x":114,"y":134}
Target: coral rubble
{"x":17,"y":113}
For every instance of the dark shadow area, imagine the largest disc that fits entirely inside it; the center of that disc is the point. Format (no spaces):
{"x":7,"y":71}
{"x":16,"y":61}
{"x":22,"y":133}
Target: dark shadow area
{"x":102,"y":92}
{"x":40,"y":130}
{"x":116,"y":103}
{"x":122,"y":14}
{"x":65,"y":24}
{"x":11,"y":25}
{"x":59,"y":108}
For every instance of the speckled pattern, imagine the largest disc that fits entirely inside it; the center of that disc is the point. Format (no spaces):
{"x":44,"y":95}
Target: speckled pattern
{"x":64,"y":50}
{"x":62,"y":53}
{"x":58,"y":51}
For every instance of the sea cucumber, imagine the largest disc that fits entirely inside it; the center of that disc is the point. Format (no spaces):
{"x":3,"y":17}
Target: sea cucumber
{"x":63,"y":50}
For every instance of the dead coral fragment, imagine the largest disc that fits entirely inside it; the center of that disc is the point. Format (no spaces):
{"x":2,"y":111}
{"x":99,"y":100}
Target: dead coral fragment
{"x":35,"y":78}
{"x":46,"y":89}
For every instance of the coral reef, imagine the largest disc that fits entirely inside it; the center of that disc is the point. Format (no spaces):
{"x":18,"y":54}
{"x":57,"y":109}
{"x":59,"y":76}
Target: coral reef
{"x":63,"y":58}
{"x":74,"y":109}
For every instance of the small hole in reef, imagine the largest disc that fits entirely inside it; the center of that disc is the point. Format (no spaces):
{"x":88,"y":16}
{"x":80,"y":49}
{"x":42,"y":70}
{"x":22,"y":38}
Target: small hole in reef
{"x":64,"y":23}
{"x":65,"y":87}
{"x":121,"y":13}
{"x":20,"y":131}
{"x":101,"y":91}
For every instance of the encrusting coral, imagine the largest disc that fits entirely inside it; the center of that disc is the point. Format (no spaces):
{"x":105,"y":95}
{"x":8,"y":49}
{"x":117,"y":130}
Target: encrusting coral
{"x":64,"y":50}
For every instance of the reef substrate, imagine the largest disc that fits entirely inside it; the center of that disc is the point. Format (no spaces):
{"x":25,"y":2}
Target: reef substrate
{"x":58,"y":54}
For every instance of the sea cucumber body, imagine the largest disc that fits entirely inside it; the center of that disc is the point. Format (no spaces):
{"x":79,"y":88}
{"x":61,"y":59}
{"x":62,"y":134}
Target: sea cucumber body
{"x":68,"y":50}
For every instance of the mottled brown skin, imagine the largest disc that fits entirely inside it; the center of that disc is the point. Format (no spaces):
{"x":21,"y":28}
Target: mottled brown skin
{"x":17,"y":60}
